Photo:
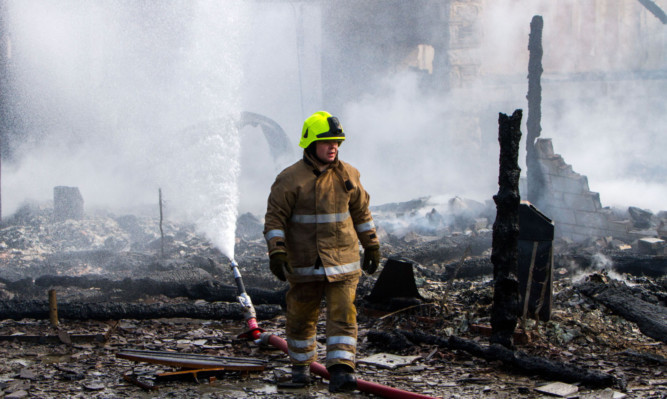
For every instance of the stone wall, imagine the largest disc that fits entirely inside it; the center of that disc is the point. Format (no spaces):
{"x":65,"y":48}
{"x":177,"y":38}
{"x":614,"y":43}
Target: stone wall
{"x":576,"y":211}
{"x":465,"y":37}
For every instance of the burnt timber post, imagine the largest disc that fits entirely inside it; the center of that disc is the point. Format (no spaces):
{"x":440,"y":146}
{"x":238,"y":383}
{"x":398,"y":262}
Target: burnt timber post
{"x":505,"y":251}
{"x":535,"y":184}
{"x":53,"y":308}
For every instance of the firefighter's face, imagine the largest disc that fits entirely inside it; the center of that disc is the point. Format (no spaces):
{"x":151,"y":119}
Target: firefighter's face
{"x":326,"y":150}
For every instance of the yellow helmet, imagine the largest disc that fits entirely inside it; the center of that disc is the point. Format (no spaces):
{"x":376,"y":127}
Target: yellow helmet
{"x":320,"y":126}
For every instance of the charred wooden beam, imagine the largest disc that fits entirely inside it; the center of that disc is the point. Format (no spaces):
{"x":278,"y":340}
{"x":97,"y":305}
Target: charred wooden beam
{"x":535,"y":183}
{"x":645,"y":357}
{"x":131,"y":289}
{"x":517,"y":360}
{"x":505,"y":252}
{"x":619,"y":298}
{"x":532,"y":364}
{"x":113,"y":311}
{"x":215,"y":291}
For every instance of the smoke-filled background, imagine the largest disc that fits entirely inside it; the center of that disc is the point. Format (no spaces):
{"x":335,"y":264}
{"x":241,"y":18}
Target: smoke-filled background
{"x":125,"y":98}
{"x":121,"y":98}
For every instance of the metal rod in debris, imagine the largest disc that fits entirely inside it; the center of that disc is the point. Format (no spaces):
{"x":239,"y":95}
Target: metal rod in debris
{"x":53,"y":308}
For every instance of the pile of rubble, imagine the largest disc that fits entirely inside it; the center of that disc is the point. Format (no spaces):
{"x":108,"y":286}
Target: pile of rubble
{"x":106,"y":259}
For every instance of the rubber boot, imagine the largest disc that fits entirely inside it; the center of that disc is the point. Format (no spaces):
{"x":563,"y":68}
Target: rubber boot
{"x":342,"y":378}
{"x":300,"y":374}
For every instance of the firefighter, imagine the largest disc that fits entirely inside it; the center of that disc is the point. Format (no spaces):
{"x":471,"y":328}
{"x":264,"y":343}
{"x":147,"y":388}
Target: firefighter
{"x":317,"y":214}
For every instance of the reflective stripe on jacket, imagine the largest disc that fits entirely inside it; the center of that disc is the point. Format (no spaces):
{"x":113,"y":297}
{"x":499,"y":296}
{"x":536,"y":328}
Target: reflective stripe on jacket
{"x":318,"y":218}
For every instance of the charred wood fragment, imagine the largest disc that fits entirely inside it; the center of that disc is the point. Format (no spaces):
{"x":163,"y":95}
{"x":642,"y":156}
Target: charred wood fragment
{"x":619,"y":298}
{"x":505,"y":253}
{"x":517,"y":360}
{"x":448,"y":249}
{"x":395,"y":340}
{"x":470,"y":268}
{"x":645,"y":357}
{"x":113,"y":311}
{"x":131,"y":378}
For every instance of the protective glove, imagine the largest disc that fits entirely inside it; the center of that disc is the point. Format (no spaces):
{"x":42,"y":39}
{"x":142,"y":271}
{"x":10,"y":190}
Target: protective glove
{"x":278,"y":264}
{"x":371,"y":259}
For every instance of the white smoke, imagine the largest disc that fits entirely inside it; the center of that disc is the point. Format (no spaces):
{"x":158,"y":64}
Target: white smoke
{"x":600,"y":263}
{"x":109,"y":91}
{"x":125,"y":98}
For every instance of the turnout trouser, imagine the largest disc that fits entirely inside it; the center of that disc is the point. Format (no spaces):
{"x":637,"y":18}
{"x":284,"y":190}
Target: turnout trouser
{"x":303,"y":310}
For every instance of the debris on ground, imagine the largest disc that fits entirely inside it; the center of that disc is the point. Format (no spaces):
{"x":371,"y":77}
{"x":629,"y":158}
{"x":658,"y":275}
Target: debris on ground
{"x":106,"y":259}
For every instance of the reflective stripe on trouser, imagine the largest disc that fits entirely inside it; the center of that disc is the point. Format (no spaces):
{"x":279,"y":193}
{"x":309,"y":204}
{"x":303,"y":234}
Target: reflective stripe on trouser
{"x":303,"y":310}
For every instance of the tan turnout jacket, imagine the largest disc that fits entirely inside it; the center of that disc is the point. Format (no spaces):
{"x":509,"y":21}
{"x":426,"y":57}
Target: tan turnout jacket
{"x":313,"y":214}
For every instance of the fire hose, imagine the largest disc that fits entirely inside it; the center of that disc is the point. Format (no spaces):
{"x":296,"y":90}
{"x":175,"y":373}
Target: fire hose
{"x":259,"y":336}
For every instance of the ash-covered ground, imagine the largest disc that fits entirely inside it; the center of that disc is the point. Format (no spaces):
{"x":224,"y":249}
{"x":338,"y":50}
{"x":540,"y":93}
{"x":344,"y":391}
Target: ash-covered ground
{"x":106,"y":259}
